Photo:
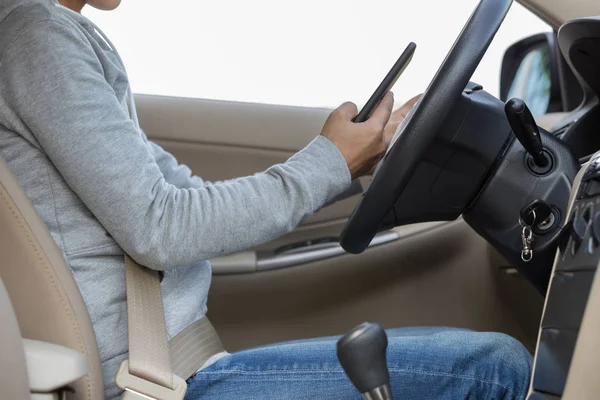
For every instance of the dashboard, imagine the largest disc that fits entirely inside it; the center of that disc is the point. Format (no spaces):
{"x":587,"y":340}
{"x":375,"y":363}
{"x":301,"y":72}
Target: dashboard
{"x":572,"y":277}
{"x":578,"y":254}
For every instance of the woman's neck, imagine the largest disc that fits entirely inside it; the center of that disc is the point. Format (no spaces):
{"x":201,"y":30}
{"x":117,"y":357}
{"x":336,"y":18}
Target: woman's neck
{"x":75,"y":5}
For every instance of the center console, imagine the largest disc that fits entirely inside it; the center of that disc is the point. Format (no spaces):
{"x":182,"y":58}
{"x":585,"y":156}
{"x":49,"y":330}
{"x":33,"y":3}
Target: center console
{"x":571,"y":281}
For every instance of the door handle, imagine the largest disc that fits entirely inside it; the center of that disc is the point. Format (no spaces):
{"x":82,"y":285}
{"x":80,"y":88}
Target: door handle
{"x":247,"y":262}
{"x":316,"y":252}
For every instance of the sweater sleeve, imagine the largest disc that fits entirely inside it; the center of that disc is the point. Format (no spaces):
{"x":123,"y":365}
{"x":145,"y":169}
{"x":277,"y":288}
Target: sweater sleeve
{"x":55,"y":85}
{"x":181,"y":175}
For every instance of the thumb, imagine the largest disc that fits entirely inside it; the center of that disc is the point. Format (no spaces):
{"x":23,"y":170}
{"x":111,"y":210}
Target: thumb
{"x":348,"y":110}
{"x":382,"y":113}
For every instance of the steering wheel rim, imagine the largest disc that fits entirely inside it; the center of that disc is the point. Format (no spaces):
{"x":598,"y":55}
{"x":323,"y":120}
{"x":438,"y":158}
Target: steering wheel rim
{"x":414,"y":137}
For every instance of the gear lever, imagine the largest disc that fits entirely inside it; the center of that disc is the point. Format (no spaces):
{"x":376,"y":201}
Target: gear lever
{"x":526,"y":130}
{"x":362,"y":355}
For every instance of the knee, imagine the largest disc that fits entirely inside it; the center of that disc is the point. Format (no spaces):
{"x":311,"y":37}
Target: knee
{"x":505,"y":359}
{"x":493,"y":359}
{"x":460,"y":364}
{"x":499,"y":346}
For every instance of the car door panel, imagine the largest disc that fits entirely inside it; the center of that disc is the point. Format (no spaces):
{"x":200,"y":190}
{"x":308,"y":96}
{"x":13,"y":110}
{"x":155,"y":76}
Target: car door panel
{"x":436,"y":277}
{"x":304,"y":248}
{"x":238,"y":124}
{"x":429,"y":274}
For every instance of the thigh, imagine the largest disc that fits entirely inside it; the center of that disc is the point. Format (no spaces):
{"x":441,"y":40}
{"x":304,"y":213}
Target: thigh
{"x":394,"y":332}
{"x":424,"y":364}
{"x":458,"y":364}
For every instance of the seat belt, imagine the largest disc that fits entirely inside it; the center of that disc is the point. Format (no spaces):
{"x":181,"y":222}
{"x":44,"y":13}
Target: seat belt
{"x":157,"y":368}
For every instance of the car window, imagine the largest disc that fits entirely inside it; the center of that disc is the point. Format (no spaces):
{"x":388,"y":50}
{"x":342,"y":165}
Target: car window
{"x":308,"y":53}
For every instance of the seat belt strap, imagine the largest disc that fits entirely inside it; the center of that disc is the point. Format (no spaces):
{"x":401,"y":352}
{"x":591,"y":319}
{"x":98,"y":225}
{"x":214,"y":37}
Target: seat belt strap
{"x":156,"y":368}
{"x":193,"y":347}
{"x":149,"y":357}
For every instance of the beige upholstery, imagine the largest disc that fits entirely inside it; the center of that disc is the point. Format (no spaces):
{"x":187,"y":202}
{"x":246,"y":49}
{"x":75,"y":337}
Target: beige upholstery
{"x":13,"y":371}
{"x":44,"y":295}
{"x":557,"y":12}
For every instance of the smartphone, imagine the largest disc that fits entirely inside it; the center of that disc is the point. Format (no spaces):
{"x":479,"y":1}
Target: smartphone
{"x":387,"y":83}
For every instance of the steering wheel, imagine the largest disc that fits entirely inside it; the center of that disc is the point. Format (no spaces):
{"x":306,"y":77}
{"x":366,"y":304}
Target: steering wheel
{"x":418,"y":131}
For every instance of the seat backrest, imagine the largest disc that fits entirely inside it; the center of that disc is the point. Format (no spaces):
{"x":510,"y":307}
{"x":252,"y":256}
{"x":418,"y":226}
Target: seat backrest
{"x":13,"y":370}
{"x":44,"y":295}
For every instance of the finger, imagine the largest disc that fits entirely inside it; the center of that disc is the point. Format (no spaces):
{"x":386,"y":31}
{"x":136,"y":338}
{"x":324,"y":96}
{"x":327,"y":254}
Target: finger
{"x":413,"y":100}
{"x":348,"y":110}
{"x":398,"y":115}
{"x":382,"y":113}
{"x":408,"y":105}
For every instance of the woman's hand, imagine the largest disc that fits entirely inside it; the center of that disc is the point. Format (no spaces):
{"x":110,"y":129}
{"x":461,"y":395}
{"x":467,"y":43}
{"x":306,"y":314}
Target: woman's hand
{"x":362,"y":144}
{"x":396,"y":119}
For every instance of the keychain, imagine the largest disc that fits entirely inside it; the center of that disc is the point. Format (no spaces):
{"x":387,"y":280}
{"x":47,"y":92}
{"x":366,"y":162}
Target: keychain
{"x":526,"y":239}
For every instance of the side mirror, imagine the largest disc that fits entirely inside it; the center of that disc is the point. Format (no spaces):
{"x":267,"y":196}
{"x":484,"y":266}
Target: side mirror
{"x":530,"y":71}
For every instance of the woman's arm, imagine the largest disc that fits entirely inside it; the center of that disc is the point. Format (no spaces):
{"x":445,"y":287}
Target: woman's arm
{"x":181,"y":175}
{"x":55,"y":87}
{"x":175,"y":173}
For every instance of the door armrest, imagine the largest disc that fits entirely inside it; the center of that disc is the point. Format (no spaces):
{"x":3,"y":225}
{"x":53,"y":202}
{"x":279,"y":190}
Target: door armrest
{"x":51,"y":367}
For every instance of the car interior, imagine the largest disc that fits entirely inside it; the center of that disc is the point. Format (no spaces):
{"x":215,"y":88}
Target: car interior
{"x":478,"y":217}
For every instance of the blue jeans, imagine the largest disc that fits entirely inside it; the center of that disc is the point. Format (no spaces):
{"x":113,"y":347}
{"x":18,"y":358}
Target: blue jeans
{"x":424,"y":363}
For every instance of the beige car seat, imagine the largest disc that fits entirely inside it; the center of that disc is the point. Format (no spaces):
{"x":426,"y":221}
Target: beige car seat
{"x":13,"y":372}
{"x":58,"y":341}
{"x":31,"y":369}
{"x":45,"y":298}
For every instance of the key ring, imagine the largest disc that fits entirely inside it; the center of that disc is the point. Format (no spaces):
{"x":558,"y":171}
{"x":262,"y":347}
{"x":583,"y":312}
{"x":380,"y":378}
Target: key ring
{"x":526,"y":255}
{"x":527,"y":235}
{"x":524,"y":224}
{"x":526,"y":238}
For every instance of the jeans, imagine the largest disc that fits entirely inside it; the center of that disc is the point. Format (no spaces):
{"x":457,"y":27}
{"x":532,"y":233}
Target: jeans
{"x":424,"y":363}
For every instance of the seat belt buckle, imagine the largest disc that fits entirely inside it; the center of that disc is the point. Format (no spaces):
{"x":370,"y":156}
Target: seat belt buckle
{"x":144,"y":389}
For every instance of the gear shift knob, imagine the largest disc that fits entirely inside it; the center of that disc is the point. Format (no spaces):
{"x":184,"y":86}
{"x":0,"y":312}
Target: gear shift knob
{"x":361,"y":353}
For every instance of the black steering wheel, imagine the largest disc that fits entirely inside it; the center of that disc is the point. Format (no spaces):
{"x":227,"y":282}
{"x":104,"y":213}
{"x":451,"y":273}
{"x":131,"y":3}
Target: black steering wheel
{"x":420,"y":128}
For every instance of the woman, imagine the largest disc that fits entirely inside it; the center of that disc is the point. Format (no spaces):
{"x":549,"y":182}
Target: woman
{"x":69,"y":132}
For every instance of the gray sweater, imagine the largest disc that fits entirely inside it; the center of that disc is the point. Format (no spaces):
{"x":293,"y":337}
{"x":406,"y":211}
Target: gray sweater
{"x":69,"y":133}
